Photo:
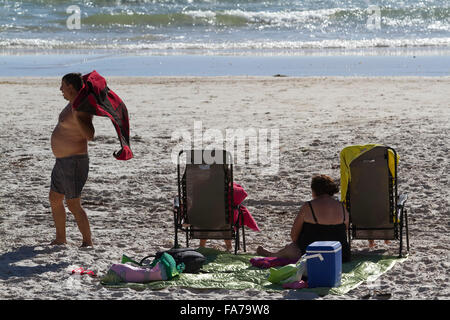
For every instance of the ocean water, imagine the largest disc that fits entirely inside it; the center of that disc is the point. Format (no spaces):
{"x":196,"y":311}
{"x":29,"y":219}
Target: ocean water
{"x":100,"y":30}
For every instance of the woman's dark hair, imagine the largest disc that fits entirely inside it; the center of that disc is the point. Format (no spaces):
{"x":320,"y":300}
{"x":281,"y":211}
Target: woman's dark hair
{"x":323,"y":184}
{"x":74,"y":79}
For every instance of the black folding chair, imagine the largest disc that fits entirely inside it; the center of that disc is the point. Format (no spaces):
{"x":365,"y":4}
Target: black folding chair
{"x":376,"y":210}
{"x":203,"y":208}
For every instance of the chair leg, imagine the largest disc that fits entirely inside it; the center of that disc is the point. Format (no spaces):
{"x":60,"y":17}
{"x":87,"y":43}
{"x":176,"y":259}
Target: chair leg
{"x":187,"y":239}
{"x":349,"y":241}
{"x":176,"y":237}
{"x":401,"y":234}
{"x":236,"y":242}
{"x":243,"y":239}
{"x":407,"y":232}
{"x":241,"y":223}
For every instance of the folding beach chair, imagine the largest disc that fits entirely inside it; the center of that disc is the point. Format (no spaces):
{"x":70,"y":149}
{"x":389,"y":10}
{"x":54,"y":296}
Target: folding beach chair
{"x":203,"y":208}
{"x":369,"y":191}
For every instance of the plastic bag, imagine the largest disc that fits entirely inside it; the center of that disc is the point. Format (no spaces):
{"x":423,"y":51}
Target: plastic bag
{"x":289,"y":273}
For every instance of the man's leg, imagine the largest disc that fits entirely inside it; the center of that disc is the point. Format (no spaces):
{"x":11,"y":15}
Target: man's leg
{"x":81,"y":218}
{"x":59,"y":216}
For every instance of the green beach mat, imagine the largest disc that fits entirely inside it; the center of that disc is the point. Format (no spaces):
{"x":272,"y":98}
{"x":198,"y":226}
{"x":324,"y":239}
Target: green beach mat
{"x":224,"y":270}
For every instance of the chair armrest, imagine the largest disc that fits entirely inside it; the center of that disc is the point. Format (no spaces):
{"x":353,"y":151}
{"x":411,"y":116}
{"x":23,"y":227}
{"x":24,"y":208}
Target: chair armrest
{"x":402,"y":199}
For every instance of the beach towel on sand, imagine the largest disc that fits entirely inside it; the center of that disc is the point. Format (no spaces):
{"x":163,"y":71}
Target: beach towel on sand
{"x":96,"y":98}
{"x":224,"y":270}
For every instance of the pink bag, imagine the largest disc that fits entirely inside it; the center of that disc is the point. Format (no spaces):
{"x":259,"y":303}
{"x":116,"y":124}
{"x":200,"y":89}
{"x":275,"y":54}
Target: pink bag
{"x":130,"y":273}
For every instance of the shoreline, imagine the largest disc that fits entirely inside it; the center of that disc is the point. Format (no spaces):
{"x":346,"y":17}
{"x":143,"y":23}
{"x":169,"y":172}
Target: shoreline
{"x":134,"y":65}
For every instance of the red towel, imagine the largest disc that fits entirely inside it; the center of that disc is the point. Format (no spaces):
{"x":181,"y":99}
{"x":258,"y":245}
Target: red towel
{"x":96,"y":98}
{"x":239,"y":195}
{"x":270,"y":262}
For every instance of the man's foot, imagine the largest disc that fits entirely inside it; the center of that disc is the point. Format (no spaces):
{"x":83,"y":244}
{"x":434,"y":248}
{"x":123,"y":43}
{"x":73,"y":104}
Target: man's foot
{"x":86,"y":244}
{"x":57,"y":242}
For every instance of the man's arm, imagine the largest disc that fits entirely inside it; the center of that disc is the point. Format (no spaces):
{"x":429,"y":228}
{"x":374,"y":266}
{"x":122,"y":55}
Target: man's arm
{"x":84,"y":121}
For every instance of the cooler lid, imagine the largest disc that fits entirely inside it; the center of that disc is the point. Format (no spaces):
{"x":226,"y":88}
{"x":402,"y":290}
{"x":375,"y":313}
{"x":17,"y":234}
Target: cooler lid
{"x":324,"y":246}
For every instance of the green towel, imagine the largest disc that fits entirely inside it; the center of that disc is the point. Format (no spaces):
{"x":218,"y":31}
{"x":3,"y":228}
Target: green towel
{"x":224,"y":270}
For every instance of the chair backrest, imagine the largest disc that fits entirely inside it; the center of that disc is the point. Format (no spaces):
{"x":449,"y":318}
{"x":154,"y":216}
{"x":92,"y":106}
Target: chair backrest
{"x":371,"y":195}
{"x":207,"y":194}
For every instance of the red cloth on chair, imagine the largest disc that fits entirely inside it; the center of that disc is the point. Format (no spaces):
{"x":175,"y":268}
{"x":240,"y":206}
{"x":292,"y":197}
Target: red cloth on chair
{"x":239,"y":195}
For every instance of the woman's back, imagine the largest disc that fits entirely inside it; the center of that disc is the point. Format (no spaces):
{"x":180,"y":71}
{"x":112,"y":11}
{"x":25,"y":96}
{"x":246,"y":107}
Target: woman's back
{"x":325,"y":219}
{"x":326,"y":210}
{"x":321,"y":219}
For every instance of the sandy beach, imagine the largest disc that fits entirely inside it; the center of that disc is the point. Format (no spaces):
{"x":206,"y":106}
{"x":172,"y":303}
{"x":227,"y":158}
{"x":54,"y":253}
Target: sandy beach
{"x":129,"y":204}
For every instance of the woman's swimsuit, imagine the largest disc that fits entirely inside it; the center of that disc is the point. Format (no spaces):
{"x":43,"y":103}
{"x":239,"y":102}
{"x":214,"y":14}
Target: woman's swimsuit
{"x":324,"y":232}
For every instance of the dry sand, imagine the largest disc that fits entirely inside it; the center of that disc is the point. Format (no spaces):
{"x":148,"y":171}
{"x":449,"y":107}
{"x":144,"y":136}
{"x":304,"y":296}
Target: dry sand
{"x":129,"y":203}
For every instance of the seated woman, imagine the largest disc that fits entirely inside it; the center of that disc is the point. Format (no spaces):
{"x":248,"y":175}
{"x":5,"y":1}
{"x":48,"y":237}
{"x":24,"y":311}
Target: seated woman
{"x":321,"y":219}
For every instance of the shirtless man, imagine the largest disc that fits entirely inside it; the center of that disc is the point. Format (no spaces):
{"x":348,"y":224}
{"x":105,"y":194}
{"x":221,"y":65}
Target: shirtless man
{"x":69,"y":145}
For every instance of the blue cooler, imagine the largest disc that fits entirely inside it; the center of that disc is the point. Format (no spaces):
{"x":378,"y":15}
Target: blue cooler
{"x":324,"y":264}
